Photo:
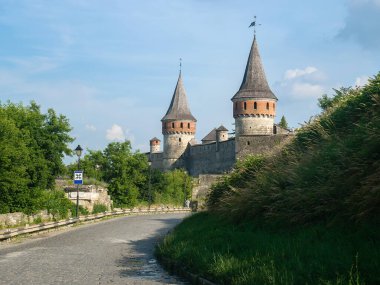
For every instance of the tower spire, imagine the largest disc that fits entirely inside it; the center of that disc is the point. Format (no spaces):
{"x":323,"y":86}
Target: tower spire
{"x":179,"y":109}
{"x":254,"y":84}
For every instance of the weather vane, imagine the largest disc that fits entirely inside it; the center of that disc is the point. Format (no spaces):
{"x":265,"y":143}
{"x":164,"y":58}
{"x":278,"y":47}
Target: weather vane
{"x":180,"y":64}
{"x":254,"y":24}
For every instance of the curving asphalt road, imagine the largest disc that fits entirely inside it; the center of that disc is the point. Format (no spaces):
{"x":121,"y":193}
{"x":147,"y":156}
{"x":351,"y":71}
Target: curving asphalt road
{"x":117,"y":251}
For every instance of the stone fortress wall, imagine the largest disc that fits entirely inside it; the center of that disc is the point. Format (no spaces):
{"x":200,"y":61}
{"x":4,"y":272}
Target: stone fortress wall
{"x":210,"y":158}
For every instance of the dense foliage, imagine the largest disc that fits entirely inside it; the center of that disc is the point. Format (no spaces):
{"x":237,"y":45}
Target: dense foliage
{"x":130,"y":180}
{"x":32,"y":147}
{"x":330,"y":172}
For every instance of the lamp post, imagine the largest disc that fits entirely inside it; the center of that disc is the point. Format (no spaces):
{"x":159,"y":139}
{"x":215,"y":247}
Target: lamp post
{"x":150,"y":178}
{"x":78,"y":152}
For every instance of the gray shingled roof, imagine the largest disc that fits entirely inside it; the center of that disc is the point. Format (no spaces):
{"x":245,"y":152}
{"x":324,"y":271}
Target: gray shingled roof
{"x":222,"y":128}
{"x":155,"y":139}
{"x":211,"y":136}
{"x":178,"y":109}
{"x":254,"y":83}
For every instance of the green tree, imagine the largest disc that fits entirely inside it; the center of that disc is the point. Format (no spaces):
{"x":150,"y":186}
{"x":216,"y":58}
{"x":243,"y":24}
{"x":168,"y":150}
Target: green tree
{"x":125,"y":172}
{"x":283,"y":123}
{"x":32,"y":147}
{"x":326,"y":102}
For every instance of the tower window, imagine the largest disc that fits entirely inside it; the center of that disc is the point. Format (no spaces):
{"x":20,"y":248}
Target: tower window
{"x":179,"y":140}
{"x":248,"y":143}
{"x":188,"y":125}
{"x":172,"y":125}
{"x":182,"y":125}
{"x":255,"y":105}
{"x":274,"y":107}
{"x":245,"y":105}
{"x":267,"y":106}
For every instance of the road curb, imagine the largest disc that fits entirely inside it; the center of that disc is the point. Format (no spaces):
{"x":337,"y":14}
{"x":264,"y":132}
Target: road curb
{"x":8,"y":234}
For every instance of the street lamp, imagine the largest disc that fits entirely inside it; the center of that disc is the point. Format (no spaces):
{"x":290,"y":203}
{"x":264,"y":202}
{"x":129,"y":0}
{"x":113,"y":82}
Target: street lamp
{"x":78,"y":152}
{"x":150,"y":178}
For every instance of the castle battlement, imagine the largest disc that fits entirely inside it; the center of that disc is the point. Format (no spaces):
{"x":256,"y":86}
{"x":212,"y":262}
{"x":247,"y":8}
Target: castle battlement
{"x":254,"y":110}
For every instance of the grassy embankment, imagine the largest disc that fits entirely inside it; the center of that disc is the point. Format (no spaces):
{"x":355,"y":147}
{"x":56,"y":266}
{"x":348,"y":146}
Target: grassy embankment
{"x":308,"y":214}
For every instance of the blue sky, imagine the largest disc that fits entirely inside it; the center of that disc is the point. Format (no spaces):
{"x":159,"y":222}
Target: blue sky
{"x":111,"y":66}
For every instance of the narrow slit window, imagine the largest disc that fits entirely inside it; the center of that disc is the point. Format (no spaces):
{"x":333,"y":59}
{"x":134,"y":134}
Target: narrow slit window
{"x":267,"y":106}
{"x":181,"y":125}
{"x":172,"y":125}
{"x":248,"y":143}
{"x":274,"y":107}
{"x":179,"y":140}
{"x":245,"y":105}
{"x":255,"y":105}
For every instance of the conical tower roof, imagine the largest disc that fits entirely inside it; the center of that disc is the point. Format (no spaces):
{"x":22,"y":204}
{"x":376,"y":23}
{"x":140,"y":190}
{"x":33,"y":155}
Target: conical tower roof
{"x":178,"y":109}
{"x":254,"y":83}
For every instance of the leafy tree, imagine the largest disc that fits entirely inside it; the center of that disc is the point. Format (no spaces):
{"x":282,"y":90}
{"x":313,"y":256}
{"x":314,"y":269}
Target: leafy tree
{"x":125,"y":172}
{"x":326,"y":102}
{"x":283,"y":123}
{"x":32,"y":147}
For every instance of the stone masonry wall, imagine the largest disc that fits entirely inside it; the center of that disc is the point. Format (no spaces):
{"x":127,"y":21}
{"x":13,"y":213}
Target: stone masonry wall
{"x":246,"y":145}
{"x":202,"y":186}
{"x":206,"y":159}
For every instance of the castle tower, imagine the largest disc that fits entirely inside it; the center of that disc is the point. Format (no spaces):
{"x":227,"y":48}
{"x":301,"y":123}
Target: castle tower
{"x":221,"y":134}
{"x":155,"y":145}
{"x":178,"y":127}
{"x":254,"y":105}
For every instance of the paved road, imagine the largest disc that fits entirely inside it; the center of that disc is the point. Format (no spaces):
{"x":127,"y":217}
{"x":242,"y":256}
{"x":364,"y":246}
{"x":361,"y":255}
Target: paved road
{"x":117,"y":251}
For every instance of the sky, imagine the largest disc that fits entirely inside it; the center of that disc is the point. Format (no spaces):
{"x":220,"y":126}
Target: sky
{"x":111,"y":66}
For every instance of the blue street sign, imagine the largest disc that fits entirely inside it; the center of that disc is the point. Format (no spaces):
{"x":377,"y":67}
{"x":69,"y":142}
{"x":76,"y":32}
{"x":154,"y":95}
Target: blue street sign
{"x":78,"y":177}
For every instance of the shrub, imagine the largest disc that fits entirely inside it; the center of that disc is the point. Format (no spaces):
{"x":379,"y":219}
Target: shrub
{"x":99,"y":208}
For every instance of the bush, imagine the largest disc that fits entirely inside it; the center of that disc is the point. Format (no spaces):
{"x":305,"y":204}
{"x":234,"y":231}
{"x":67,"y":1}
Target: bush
{"x":99,"y":208}
{"x":82,"y":211}
{"x":57,"y":204}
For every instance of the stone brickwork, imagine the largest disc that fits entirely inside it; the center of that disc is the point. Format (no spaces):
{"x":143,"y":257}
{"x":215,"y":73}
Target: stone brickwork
{"x":210,"y":158}
{"x":175,"y":146}
{"x":89,"y":195}
{"x":202,"y":186}
{"x":246,"y":145}
{"x":254,"y":126}
{"x":18,"y":218}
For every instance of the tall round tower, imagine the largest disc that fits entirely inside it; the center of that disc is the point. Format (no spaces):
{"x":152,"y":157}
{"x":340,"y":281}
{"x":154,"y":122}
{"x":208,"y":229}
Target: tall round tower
{"x":254,"y":105}
{"x":178,"y":127}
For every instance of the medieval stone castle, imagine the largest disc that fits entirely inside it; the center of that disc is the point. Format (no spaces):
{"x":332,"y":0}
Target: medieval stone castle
{"x":254,"y":110}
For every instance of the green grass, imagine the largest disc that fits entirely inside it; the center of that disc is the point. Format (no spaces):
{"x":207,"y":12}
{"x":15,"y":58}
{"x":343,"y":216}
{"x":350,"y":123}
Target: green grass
{"x":248,"y":253}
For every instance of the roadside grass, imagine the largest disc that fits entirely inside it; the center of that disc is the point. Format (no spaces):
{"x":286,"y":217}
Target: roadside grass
{"x":250,"y":253}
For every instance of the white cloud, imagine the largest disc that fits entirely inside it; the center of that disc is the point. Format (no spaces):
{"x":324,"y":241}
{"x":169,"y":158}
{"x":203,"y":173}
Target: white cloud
{"x":294,"y":73}
{"x":361,"y":80}
{"x":90,"y":127}
{"x":306,"y":90}
{"x":115,"y":133}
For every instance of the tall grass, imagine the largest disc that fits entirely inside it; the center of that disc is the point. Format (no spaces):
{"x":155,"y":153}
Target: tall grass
{"x":329,"y":173}
{"x":250,"y":253}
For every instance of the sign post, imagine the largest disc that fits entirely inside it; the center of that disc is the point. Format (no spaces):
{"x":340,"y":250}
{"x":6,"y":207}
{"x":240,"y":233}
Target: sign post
{"x":78,"y":177}
{"x":78,"y":180}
